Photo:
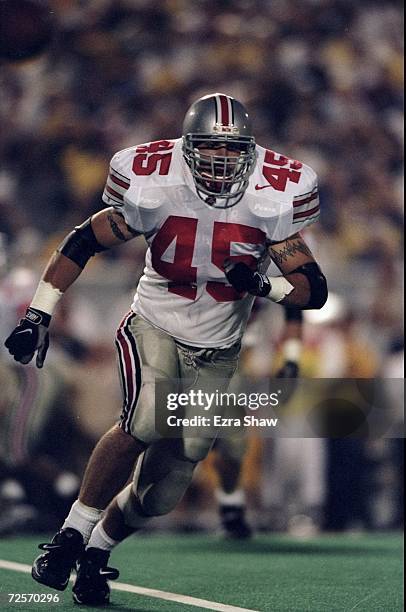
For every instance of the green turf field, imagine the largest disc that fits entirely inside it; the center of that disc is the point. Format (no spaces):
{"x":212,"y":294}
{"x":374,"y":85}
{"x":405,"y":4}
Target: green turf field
{"x":276,"y":573}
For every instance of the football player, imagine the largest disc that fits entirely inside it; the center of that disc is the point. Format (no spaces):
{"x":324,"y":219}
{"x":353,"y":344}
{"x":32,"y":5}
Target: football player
{"x":214,"y":207}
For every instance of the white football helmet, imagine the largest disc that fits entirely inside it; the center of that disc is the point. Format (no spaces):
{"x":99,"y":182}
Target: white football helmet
{"x":218,"y":121}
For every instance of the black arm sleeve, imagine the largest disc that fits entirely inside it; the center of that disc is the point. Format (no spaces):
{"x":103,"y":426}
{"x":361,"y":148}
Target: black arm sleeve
{"x":317,"y":282}
{"x":81,"y":244}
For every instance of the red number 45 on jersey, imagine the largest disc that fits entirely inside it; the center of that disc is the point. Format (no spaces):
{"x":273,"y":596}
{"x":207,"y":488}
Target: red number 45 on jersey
{"x":152,"y":157}
{"x":278,"y":170}
{"x":180,"y":272}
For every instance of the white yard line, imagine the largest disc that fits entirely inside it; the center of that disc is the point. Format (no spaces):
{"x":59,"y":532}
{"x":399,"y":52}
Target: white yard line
{"x":129,"y":588}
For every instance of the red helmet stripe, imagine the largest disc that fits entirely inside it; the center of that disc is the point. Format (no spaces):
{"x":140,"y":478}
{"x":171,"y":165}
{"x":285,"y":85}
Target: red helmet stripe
{"x":224,"y":110}
{"x":225,"y":119}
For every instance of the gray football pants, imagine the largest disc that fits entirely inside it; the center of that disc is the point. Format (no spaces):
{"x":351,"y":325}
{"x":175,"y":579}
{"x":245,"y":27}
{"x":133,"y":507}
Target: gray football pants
{"x":146,"y":354}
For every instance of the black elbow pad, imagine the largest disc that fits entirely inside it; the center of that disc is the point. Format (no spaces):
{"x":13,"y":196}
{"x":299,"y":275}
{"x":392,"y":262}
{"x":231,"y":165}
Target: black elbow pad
{"x":81,"y":244}
{"x":318,"y":285}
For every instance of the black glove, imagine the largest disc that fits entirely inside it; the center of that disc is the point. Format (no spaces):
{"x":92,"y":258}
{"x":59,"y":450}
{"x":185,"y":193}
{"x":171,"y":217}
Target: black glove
{"x":30,"y":335}
{"x":290,"y":369}
{"x":242,"y":278}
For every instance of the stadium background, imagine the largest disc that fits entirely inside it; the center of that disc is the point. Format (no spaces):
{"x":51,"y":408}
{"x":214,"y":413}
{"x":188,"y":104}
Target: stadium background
{"x":322,"y":80}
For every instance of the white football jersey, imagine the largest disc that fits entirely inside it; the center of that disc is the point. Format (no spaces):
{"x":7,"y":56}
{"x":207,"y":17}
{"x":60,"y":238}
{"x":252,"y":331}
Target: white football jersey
{"x":183,"y":290}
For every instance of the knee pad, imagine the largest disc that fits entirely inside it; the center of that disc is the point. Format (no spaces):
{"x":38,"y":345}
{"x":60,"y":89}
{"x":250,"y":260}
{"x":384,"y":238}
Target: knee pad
{"x":161,"y":478}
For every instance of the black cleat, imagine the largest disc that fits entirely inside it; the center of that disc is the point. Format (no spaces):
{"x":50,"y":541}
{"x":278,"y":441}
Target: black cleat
{"x":234,"y":523}
{"x":54,"y":567}
{"x":91,"y":587}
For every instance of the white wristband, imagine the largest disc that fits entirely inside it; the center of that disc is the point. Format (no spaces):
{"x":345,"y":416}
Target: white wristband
{"x":280,"y":288}
{"x":46,"y":297}
{"x":292,"y":350}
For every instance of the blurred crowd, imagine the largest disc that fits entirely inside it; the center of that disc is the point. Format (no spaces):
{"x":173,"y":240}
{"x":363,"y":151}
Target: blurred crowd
{"x":322,"y":80}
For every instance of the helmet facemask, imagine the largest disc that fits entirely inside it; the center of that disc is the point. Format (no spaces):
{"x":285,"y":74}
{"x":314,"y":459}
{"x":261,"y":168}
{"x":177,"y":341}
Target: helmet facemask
{"x":220,"y":179}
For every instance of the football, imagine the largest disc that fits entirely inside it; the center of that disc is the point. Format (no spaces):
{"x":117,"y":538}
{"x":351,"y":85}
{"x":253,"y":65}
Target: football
{"x":26,"y":28}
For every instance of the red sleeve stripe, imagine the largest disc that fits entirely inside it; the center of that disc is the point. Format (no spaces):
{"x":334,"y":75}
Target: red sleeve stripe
{"x":108,"y":199}
{"x":307,"y":221}
{"x":114,"y":193}
{"x":308,"y":193}
{"x":306,"y":213}
{"x":118,"y":181}
{"x":119,"y":175}
{"x":117,"y":188}
{"x":312,"y":197}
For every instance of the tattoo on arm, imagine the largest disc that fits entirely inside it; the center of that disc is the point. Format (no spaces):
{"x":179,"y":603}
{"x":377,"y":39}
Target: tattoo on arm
{"x":115,"y":228}
{"x":289,"y":250}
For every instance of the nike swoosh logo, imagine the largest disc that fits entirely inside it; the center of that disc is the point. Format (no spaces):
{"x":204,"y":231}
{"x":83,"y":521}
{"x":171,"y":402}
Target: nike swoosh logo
{"x":258,"y":187}
{"x":25,"y":331}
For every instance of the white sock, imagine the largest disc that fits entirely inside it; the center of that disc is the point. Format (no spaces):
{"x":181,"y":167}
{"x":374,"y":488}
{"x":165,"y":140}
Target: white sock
{"x":236,"y":498}
{"x":100,"y":539}
{"x":83,"y":519}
